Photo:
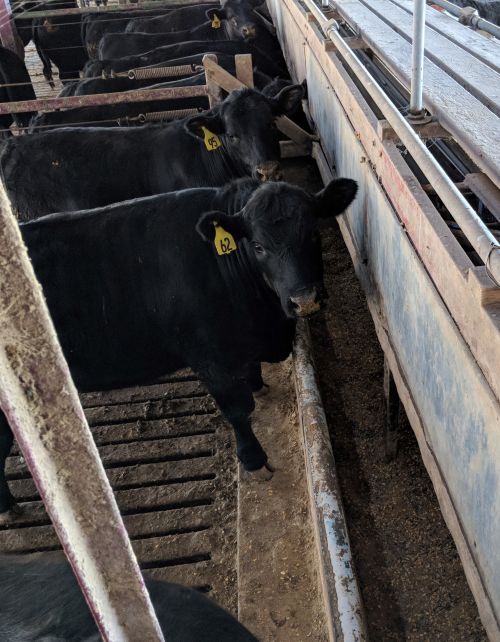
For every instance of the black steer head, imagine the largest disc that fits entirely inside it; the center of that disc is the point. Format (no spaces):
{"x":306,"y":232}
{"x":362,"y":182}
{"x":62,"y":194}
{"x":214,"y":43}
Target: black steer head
{"x":279,"y":224}
{"x":245,"y":123}
{"x":240,"y":20}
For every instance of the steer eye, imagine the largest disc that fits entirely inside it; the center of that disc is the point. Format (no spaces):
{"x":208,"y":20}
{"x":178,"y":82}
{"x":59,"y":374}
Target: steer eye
{"x":234,"y":22}
{"x":258,"y":248}
{"x":233,"y":138}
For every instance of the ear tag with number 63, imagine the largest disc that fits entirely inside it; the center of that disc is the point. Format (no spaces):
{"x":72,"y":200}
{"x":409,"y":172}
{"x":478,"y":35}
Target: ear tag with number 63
{"x":211,"y":140}
{"x":224,"y":241}
{"x":216,"y":22}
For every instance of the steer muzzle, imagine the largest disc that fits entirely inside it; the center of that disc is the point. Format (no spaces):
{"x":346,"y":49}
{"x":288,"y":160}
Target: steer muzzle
{"x":306,"y":303}
{"x":270,"y":171}
{"x":249,"y":31}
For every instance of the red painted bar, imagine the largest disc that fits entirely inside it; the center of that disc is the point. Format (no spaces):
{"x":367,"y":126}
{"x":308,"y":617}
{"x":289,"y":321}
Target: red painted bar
{"x":94,"y":100}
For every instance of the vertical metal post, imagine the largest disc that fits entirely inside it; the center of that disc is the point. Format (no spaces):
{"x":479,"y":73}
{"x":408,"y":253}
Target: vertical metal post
{"x":417,"y":71}
{"x":42,"y":407}
{"x":8,"y":34}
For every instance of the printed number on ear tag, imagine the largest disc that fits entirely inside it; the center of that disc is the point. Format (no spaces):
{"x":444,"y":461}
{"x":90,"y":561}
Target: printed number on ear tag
{"x":211,"y":140}
{"x":216,"y":22}
{"x":224,"y":241}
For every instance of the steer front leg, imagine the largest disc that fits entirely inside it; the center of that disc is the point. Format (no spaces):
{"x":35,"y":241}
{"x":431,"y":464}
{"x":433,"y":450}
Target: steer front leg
{"x":233,"y":395}
{"x":6,"y":440}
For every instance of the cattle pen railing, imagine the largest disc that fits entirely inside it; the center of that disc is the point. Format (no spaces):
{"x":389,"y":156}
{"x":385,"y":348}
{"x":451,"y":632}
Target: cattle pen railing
{"x":217,"y":80}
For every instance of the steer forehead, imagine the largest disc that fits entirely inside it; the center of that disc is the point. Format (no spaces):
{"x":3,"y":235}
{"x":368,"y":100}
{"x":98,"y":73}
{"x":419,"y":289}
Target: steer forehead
{"x":280,"y":213}
{"x":247,"y":102}
{"x":237,"y":6}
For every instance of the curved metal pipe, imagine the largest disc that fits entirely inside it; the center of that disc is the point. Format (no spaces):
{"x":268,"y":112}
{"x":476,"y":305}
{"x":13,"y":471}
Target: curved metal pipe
{"x":474,"y":20}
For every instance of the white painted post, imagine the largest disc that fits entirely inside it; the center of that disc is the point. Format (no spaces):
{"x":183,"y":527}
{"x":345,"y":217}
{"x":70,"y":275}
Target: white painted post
{"x":418,"y":51}
{"x":42,"y":406}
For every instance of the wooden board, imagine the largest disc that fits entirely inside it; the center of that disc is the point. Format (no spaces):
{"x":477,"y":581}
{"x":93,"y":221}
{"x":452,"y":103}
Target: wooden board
{"x":449,"y":401}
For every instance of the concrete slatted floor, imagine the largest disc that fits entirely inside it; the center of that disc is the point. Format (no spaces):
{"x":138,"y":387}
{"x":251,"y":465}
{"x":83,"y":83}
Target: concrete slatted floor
{"x":169,"y":457}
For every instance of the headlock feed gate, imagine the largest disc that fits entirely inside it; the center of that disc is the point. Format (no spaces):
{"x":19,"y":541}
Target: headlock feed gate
{"x":421,"y":236}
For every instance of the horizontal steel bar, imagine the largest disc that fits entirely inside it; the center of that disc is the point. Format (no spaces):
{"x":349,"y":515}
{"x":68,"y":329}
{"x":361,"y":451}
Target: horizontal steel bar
{"x":94,"y":100}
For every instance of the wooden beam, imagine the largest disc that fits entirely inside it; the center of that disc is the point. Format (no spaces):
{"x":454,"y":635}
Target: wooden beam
{"x":244,"y":69}
{"x":41,"y":404}
{"x":229,"y":83}
{"x":429,"y":130}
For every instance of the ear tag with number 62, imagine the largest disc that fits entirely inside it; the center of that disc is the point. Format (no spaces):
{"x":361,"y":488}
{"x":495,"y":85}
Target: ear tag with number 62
{"x":211,"y":140}
{"x":224,"y":241}
{"x":215,"y":22}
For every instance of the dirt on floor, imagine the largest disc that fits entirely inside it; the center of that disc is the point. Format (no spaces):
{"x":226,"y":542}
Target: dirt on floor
{"x":411,"y":579}
{"x":278,"y":583}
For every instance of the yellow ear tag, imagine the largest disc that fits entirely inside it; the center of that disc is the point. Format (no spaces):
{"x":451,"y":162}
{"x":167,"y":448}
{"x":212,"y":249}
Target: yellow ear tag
{"x":216,"y":22}
{"x":211,"y":140}
{"x":224,"y":241}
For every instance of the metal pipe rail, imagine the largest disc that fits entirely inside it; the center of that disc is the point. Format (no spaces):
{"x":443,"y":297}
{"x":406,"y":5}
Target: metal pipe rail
{"x":478,"y":234}
{"x":94,"y":100}
{"x":344,"y":610}
{"x":473,"y":20}
{"x":418,"y":52}
{"x":42,"y":407}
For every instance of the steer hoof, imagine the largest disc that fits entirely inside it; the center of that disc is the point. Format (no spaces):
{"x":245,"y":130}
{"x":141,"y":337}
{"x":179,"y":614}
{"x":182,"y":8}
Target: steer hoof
{"x":261,"y":392}
{"x":262,"y":474}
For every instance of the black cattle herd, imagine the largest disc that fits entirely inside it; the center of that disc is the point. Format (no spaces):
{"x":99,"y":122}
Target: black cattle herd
{"x":158,"y":247}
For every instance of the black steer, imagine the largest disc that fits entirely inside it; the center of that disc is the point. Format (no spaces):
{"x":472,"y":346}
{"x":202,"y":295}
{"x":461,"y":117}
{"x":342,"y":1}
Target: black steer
{"x":211,"y":279}
{"x":235,"y":17}
{"x":40,"y":600}
{"x":165,"y":55}
{"x":176,"y":20}
{"x":16,"y":85}
{"x":70,"y":169}
{"x":248,"y":27}
{"x":58,"y":40}
{"x":95,"y":25}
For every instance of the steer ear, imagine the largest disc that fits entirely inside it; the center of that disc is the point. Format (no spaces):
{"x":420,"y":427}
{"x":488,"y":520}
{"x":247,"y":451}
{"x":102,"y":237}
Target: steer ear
{"x":215,"y":13}
{"x":335,"y":197}
{"x":213,"y":122}
{"x":234,"y":224}
{"x":288,"y":100}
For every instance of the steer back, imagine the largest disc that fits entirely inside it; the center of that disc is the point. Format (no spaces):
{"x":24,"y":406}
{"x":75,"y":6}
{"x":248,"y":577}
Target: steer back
{"x":41,"y":600}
